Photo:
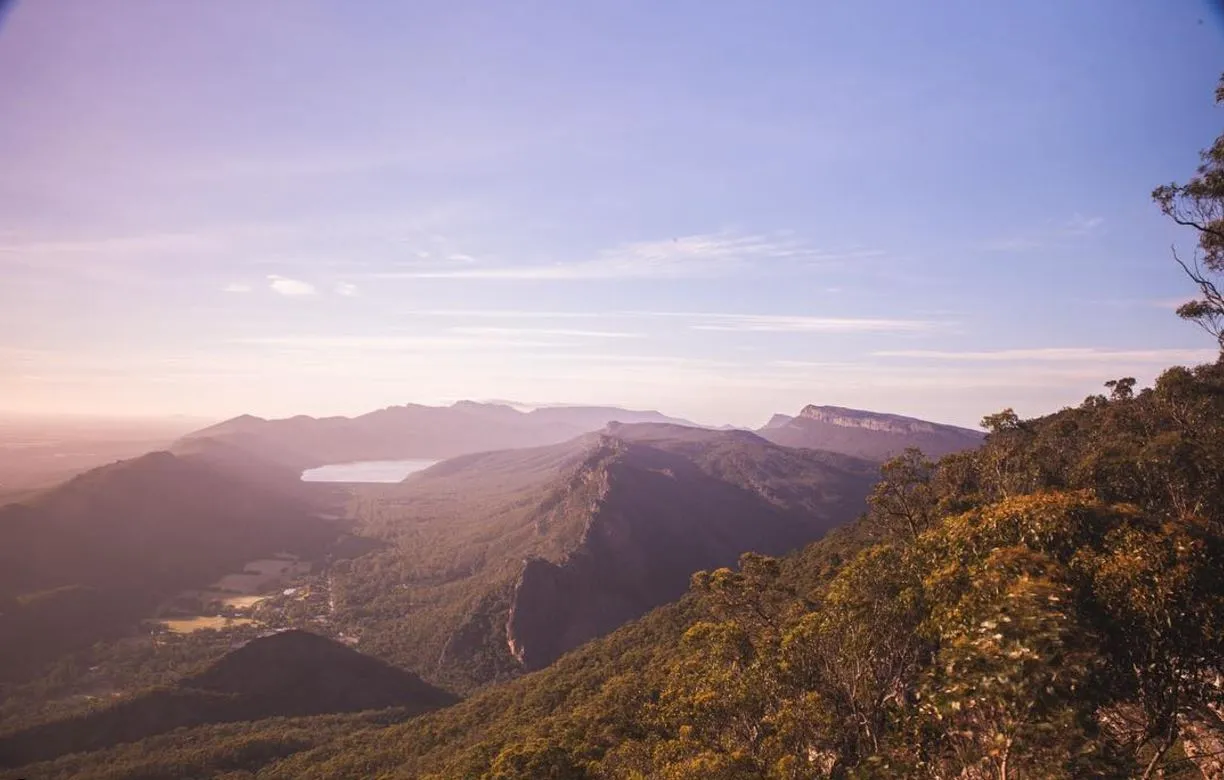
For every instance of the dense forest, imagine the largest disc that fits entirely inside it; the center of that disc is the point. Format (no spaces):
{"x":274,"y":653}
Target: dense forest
{"x":1049,"y":605}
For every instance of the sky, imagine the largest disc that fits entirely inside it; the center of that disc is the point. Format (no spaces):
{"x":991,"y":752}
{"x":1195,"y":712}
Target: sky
{"x":720,"y":210}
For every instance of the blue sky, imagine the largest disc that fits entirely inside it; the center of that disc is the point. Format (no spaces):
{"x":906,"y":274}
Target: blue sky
{"x":721,"y":210}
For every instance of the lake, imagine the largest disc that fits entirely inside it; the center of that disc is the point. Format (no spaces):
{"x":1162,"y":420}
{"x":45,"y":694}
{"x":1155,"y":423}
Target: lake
{"x":366,"y":471}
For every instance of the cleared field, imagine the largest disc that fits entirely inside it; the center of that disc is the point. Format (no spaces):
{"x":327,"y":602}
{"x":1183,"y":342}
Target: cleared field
{"x":260,"y":575}
{"x":199,"y":623}
{"x":242,"y":602}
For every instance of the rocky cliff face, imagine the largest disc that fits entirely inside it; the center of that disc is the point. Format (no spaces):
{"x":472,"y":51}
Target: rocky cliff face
{"x":869,"y":421}
{"x":865,"y":434}
{"x":559,"y":607}
{"x":666,"y":508}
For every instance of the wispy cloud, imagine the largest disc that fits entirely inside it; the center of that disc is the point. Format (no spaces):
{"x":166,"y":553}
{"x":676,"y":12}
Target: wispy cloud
{"x":395,"y":343}
{"x":294,"y":288}
{"x":134,"y":244}
{"x":776,"y":323}
{"x":955,"y":378}
{"x":583,"y":334}
{"x":823,"y":364}
{"x":346,"y":289}
{"x":707,"y":321}
{"x":141,"y":257}
{"x":504,"y":314}
{"x":1059,"y":355}
{"x":1080,"y":225}
{"x":1170,"y":304}
{"x":695,"y":256}
{"x":1076,"y":226}
{"x":236,"y":287}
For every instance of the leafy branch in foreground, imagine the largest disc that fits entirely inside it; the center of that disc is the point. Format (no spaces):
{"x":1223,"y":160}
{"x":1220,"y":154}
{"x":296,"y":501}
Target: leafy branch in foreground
{"x":1199,"y":204}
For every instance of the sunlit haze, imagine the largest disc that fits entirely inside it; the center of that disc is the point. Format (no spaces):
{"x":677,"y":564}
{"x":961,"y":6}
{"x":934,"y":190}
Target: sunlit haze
{"x":719,"y":210}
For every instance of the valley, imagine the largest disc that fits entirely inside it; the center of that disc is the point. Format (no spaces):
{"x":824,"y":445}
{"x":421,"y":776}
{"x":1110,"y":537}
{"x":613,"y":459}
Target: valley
{"x":469,"y":571}
{"x":230,"y":600}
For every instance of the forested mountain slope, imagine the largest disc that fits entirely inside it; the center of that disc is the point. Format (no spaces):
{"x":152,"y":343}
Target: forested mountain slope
{"x":502,"y":561}
{"x":89,"y":558}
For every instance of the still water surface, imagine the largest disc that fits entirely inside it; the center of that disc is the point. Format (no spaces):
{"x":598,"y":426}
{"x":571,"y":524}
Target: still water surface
{"x":366,"y":471}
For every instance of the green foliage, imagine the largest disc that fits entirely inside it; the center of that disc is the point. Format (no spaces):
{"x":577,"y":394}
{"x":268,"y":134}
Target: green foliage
{"x":535,"y":760}
{"x":1199,"y":204}
{"x":903,"y":502}
{"x":1013,"y":688}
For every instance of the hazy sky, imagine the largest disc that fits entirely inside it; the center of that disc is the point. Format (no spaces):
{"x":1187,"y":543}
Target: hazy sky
{"x":717,"y":209}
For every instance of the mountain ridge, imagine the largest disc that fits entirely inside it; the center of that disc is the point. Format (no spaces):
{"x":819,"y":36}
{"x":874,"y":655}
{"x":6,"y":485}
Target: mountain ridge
{"x":872,"y":435}
{"x":539,"y":550}
{"x":412,"y":431}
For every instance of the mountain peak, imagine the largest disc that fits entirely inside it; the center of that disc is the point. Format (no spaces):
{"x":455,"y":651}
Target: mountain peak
{"x":874,"y":435}
{"x":242,"y":422}
{"x":289,"y":673}
{"x":778,"y":420}
{"x":469,"y":404}
{"x":873,"y":421}
{"x":308,"y":672}
{"x":671,"y":432}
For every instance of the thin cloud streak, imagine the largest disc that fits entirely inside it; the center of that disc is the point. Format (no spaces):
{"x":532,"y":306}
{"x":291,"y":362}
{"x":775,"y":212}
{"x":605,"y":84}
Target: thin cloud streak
{"x":385,"y":343}
{"x":695,"y":256}
{"x":1077,"y":226}
{"x":774,"y":323}
{"x":135,"y":244}
{"x":506,"y":314}
{"x":1080,"y":225}
{"x":954,"y":379}
{"x":586,"y":334}
{"x":725,"y":321}
{"x":1059,"y":354}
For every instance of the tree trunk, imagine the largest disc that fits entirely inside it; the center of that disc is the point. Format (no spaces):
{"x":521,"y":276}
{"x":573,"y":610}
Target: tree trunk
{"x":1165,"y":744}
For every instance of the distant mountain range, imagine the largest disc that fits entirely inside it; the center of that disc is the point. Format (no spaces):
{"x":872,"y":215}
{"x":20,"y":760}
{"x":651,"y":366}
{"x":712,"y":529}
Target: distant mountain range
{"x":287,"y":673}
{"x":439,"y":432}
{"x":870,"y":435}
{"x":414,"y":431}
